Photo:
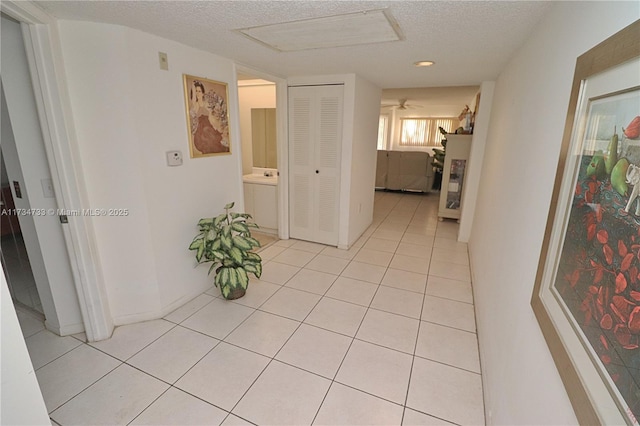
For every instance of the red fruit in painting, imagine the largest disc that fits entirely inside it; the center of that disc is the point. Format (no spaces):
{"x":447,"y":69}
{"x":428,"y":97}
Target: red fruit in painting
{"x":626,"y":262}
{"x":624,"y":337}
{"x":597,"y":277}
{"x":621,"y":283}
{"x":633,"y":129}
{"x":634,"y":320}
{"x":603,"y":236}
{"x":573,"y":278}
{"x":621,"y":307}
{"x":606,"y":359}
{"x":606,"y":322}
{"x":608,"y":253}
{"x":622,"y":248}
{"x":604,"y":342}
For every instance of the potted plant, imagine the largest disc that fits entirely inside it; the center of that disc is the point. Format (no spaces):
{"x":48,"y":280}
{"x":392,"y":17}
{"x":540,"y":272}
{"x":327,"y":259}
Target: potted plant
{"x":226,"y":242}
{"x":438,"y":159}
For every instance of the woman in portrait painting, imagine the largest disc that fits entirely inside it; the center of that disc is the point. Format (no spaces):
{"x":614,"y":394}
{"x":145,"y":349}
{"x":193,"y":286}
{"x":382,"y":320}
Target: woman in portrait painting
{"x":205,"y":125}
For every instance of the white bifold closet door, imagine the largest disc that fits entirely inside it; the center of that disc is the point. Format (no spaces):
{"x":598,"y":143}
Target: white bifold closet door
{"x":315,"y":140}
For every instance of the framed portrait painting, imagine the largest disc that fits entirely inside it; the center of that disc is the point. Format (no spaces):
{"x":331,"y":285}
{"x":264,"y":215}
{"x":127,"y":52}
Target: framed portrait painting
{"x":587,"y":292}
{"x":206,"y":103}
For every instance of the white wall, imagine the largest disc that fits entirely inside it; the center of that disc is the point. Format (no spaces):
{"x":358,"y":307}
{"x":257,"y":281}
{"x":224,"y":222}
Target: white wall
{"x":476,"y":157}
{"x":22,"y":402}
{"x":127,"y":114}
{"x":521,"y":383}
{"x":363,"y":157}
{"x":253,"y":96}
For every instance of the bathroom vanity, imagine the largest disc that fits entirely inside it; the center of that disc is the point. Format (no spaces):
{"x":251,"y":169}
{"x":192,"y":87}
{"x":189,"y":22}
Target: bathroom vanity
{"x":261,"y":198}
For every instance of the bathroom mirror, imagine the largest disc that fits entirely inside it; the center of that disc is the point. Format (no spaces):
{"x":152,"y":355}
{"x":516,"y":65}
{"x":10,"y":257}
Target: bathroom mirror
{"x":263,"y":137}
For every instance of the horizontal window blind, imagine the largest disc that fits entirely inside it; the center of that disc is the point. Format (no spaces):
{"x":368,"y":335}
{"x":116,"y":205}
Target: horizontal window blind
{"x":423,"y":132}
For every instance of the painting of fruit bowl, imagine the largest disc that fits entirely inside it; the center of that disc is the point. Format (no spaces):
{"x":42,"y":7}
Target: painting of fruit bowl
{"x":598,"y":276}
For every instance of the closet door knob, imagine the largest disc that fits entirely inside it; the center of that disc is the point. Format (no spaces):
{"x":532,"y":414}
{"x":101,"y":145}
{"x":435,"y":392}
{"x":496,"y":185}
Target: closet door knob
{"x":317,"y":171}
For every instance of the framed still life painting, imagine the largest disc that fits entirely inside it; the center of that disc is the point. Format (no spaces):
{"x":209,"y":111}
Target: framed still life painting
{"x":587,"y":292}
{"x":207,"y":110}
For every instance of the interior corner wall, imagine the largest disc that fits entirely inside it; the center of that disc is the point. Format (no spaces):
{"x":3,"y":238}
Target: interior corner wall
{"x":520,"y":380}
{"x":127,"y":114}
{"x":363,"y":157}
{"x":262,"y":96}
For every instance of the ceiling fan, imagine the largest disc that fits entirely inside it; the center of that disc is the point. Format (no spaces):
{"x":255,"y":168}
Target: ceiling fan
{"x":402,"y":105}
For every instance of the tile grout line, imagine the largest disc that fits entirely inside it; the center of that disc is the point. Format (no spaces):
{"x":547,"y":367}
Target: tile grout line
{"x":415,"y":345}
{"x":416,"y":209}
{"x":333,"y":380}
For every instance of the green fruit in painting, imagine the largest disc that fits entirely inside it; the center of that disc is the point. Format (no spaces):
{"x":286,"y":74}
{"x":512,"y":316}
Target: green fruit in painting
{"x":597,"y":166}
{"x":619,"y":177}
{"x":612,"y":159}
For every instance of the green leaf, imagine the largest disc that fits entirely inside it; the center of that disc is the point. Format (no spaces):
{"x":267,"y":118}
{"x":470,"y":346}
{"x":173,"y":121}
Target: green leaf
{"x":252,"y":257}
{"x":253,"y":241}
{"x":236,"y":255}
{"x":217,"y":255}
{"x":240,"y":227}
{"x":211,"y":235}
{"x":213,"y":265}
{"x":243,"y":278}
{"x":241,"y":243}
{"x":240,"y":215}
{"x":226,"y":241}
{"x":229,"y":206}
{"x":219,"y":219}
{"x":195,"y":244}
{"x":233,"y":277}
{"x":217,"y":243}
{"x":200,"y":253}
{"x":222,"y":277}
{"x":254,"y":268}
{"x":205,"y":222}
{"x":225,"y":290}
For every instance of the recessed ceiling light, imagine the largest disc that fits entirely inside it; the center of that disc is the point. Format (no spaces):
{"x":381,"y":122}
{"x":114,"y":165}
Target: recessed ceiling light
{"x":424,"y":63}
{"x":372,"y":26}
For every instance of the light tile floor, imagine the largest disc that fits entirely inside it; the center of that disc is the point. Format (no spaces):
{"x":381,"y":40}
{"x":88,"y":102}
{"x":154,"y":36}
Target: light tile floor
{"x":383,"y":333}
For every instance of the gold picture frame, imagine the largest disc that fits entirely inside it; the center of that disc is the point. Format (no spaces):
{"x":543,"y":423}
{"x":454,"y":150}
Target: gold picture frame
{"x":207,"y":110}
{"x":588,"y":279}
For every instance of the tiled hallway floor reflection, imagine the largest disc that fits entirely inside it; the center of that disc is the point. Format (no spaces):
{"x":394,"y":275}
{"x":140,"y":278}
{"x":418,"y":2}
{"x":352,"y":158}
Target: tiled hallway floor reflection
{"x":383,"y":333}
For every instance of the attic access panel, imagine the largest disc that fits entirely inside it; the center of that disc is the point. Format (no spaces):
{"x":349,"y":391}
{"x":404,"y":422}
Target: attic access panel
{"x":373,"y":26}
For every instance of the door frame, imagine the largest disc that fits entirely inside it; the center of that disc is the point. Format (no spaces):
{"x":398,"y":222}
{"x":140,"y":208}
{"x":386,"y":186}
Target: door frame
{"x":44,"y":53}
{"x":282,"y":141}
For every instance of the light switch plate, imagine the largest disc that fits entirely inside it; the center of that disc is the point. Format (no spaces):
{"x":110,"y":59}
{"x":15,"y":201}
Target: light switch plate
{"x":47,"y":188}
{"x":174,"y":158}
{"x":164,"y":61}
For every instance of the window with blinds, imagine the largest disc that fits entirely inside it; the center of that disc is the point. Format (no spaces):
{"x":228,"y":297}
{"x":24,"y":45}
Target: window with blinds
{"x":424,"y":131}
{"x":383,"y":126}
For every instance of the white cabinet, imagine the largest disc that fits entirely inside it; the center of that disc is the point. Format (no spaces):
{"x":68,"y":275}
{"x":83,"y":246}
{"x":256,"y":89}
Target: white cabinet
{"x":453,"y":174}
{"x":315,"y":140}
{"x":261,"y":202}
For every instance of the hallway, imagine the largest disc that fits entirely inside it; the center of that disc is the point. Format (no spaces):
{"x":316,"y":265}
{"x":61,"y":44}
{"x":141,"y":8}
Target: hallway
{"x":383,"y":333}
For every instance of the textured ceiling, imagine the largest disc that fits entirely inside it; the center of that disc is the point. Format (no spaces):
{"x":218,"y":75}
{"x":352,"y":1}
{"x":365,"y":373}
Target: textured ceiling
{"x":470,"y":41}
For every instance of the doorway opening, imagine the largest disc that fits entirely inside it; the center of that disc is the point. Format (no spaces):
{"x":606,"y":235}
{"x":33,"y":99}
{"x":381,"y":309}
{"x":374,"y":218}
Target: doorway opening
{"x":13,"y":252}
{"x":259,"y":136}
